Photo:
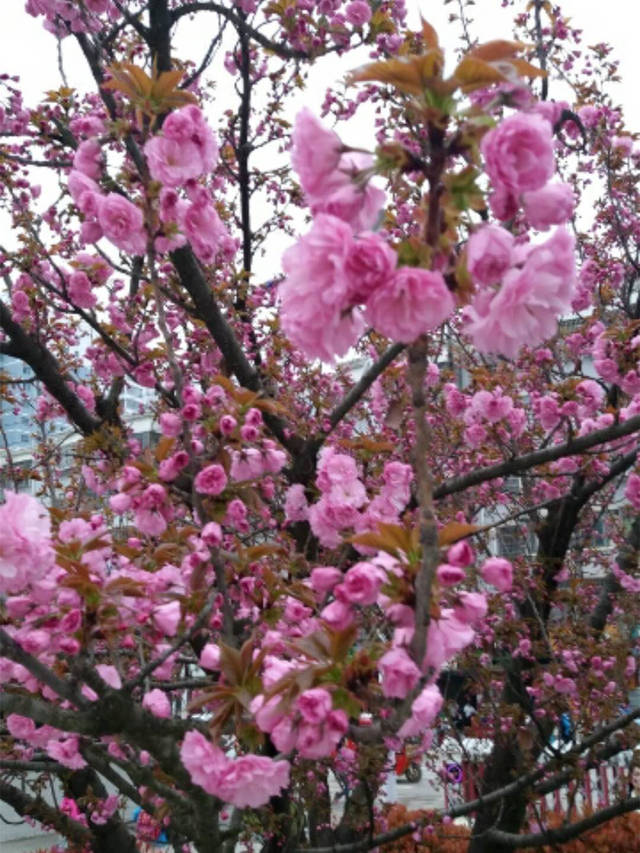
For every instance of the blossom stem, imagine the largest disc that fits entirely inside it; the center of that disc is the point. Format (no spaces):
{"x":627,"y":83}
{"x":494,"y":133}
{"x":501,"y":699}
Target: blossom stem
{"x":424,"y":482}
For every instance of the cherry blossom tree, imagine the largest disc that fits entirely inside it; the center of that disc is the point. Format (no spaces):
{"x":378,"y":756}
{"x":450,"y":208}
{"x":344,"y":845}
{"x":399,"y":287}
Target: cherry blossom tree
{"x":211,"y":608}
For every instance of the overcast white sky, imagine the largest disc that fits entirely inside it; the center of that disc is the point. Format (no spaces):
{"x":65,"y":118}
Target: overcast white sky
{"x":26,"y":49}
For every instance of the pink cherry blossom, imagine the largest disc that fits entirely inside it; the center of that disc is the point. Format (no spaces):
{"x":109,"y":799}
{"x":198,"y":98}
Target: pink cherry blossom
{"x":210,"y":656}
{"x":338,"y":615}
{"x":122,"y":223}
{"x":157,"y":703}
{"x":361,"y":584}
{"x":204,"y":761}
{"x":296,"y":507}
{"x":413,"y":302}
{"x":315,"y":152}
{"x":632,"y":490}
{"x":66,"y":752}
{"x":526,"y":307}
{"x":461,"y":554}
{"x":167,"y":617}
{"x":553,"y":204}
{"x":151,"y":510}
{"x":26,"y":554}
{"x":471,"y":607}
{"x":424,"y":710}
{"x":110,"y":675}
{"x":87,"y":158}
{"x":314,"y":705}
{"x":498,"y":572}
{"x":251,"y":780}
{"x":172,"y":163}
{"x":519,"y":153}
{"x":80,"y":291}
{"x":205,"y":231}
{"x":20,"y":727}
{"x":449,"y":575}
{"x":368,"y":265}
{"x":211,"y":480}
{"x":356,"y":204}
{"x":399,"y":673}
{"x":314,"y":293}
{"x":211,"y":534}
{"x":185,"y":149}
{"x":247,"y":781}
{"x":324,"y":578}
{"x":358,"y":12}
{"x":446,"y":637}
{"x":489,"y":253}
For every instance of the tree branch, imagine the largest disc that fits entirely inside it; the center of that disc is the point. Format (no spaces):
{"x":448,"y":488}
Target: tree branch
{"x":563,"y":833}
{"x":234,"y":18}
{"x":48,"y":816}
{"x":363,"y":384}
{"x":537,"y":457}
{"x":9,"y":648}
{"x":47,"y":370}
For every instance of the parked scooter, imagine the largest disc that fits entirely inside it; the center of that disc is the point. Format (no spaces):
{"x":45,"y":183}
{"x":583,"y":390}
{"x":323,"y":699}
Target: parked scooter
{"x":408,"y":764}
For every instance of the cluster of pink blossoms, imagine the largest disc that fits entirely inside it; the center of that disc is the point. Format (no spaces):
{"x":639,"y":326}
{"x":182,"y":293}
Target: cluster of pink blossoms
{"x":343,"y":497}
{"x":342,"y":274}
{"x":313,"y":728}
{"x":535,"y":287}
{"x":484,"y":411}
{"x":522,"y":289}
{"x":616,"y":358}
{"x":149,"y":502}
{"x":184,"y":151}
{"x":246,"y":782}
{"x":311,"y":725}
{"x":62,"y":16}
{"x":26,"y":552}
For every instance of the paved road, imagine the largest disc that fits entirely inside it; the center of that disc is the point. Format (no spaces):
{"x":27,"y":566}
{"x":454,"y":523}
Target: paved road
{"x":426,"y":794}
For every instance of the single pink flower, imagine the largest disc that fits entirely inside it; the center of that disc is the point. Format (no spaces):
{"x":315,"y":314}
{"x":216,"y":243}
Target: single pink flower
{"x":157,"y":703}
{"x":498,"y":572}
{"x":110,"y":675}
{"x":314,"y":295}
{"x":471,"y":607}
{"x":424,"y":710}
{"x":449,"y":575}
{"x":324,"y":578}
{"x":489,"y":253}
{"x":205,"y":231}
{"x":211,"y":480}
{"x":167,"y":618}
{"x":123,"y":224}
{"x":88,"y":158}
{"x":66,"y":752}
{"x":358,"y":13}
{"x":553,"y":204}
{"x":632,"y":490}
{"x":361,"y":584}
{"x":368,"y":265}
{"x":413,"y":302}
{"x":399,"y":673}
{"x":314,"y":705}
{"x":461,"y":554}
{"x":315,"y":152}
{"x":518,"y":153}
